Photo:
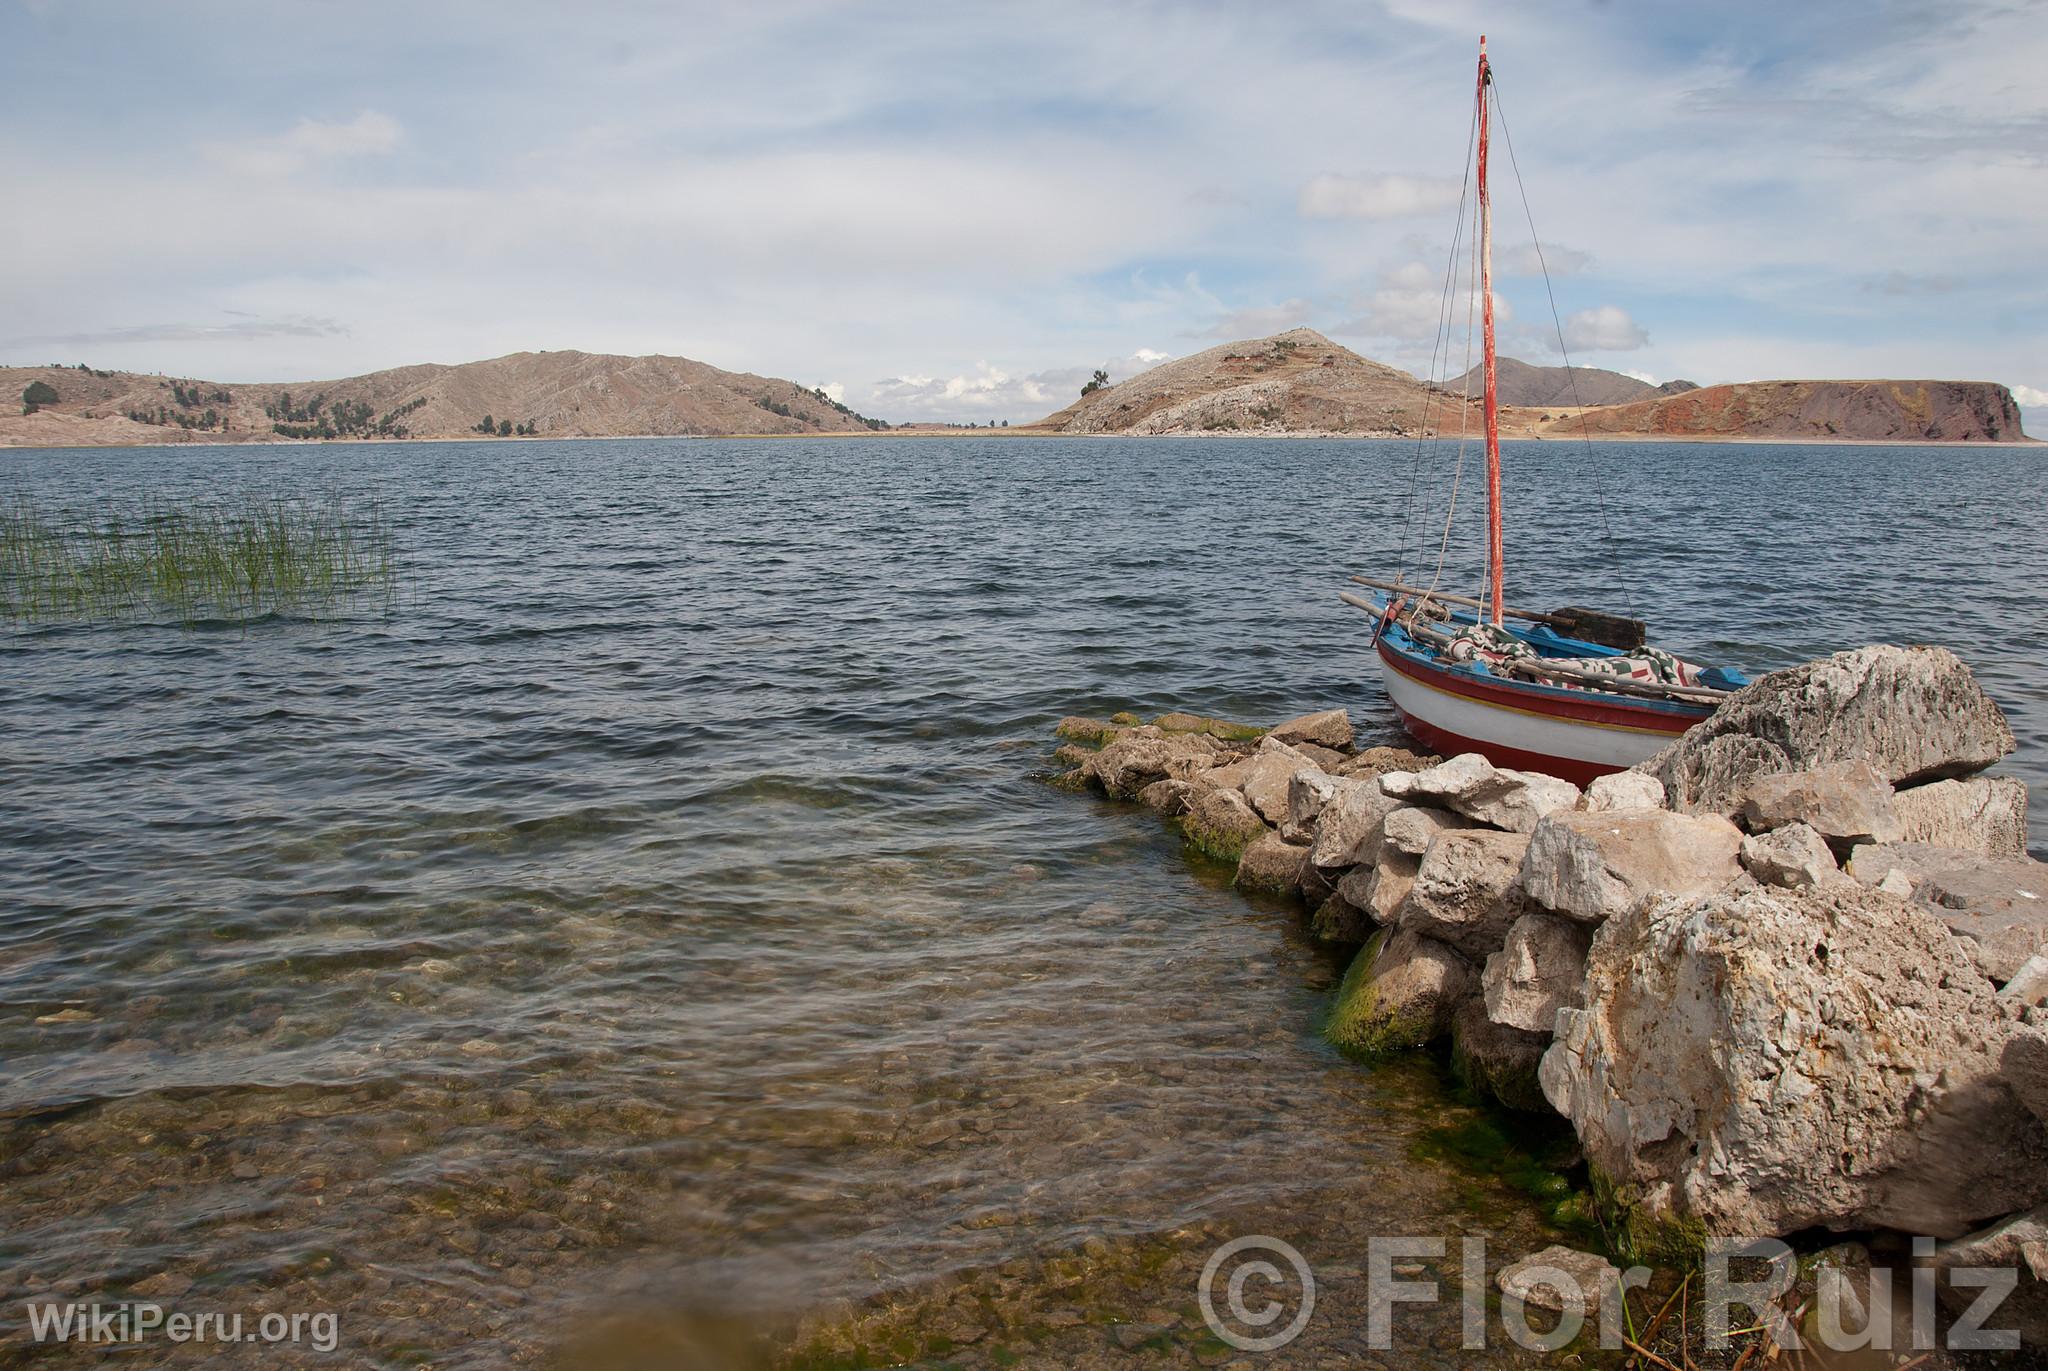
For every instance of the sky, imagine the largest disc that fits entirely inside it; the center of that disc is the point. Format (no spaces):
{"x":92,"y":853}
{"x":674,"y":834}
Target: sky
{"x":958,"y":212}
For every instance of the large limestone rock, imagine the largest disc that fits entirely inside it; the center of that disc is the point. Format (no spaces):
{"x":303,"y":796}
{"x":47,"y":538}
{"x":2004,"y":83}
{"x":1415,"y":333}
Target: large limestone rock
{"x":1377,"y":761}
{"x":1845,"y":802}
{"x":1624,"y":790}
{"x":1400,"y":993}
{"x":1986,"y":814}
{"x":2018,"y":1244}
{"x":1791,"y":857}
{"x":1410,"y":830}
{"x":1593,"y":865}
{"x":1330,"y":728}
{"x":1498,"y":1059}
{"x":1379,"y":890}
{"x":1769,"y":1061}
{"x":1221,"y":823}
{"x":1464,"y":892}
{"x":2025,"y":1066}
{"x":1307,"y":793}
{"x":1477,"y":789}
{"x":1268,"y":774}
{"x":1134,"y":761}
{"x":2000,"y":906}
{"x":1349,"y":826}
{"x":1540,"y":969}
{"x":1916,"y":713}
{"x":1270,"y":862}
{"x":1337,"y":920}
{"x":1169,"y":797}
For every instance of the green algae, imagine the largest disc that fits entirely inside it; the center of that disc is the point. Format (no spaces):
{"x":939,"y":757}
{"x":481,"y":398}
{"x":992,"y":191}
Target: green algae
{"x":1358,"y":1026}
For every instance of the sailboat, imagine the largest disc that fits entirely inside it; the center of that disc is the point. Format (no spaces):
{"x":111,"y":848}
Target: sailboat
{"x":1573,"y":692}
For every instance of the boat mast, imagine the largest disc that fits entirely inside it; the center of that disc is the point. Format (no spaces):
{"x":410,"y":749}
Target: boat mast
{"x":1494,"y":593}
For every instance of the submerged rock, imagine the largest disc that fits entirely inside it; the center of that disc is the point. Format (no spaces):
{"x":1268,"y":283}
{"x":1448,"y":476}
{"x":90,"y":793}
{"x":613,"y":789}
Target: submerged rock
{"x":1498,"y":1059}
{"x":1915,"y":713}
{"x":1220,"y":823}
{"x":1540,"y":969}
{"x":1477,"y":789}
{"x":1270,"y":862}
{"x":1592,"y":866}
{"x":1464,"y":894}
{"x":1986,"y":814}
{"x":1401,"y":992}
{"x":1768,"y":1061}
{"x":1535,"y":1280}
{"x":1846,"y":803}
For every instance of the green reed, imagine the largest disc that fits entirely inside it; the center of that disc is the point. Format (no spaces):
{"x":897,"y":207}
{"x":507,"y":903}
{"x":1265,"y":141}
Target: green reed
{"x":233,"y":559}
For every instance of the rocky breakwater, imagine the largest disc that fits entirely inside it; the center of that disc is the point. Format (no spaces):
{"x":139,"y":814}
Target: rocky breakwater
{"x":1789,"y":975}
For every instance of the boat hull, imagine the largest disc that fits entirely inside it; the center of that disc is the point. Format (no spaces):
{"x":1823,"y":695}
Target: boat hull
{"x":1573,"y":734}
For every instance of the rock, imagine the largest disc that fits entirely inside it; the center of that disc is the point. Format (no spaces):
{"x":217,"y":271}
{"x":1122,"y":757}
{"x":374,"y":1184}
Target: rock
{"x":1169,"y":797}
{"x":1267,"y":774}
{"x":1915,"y":713}
{"x":1270,"y":862}
{"x":2018,"y":1244}
{"x":1624,"y":790}
{"x":2029,"y":985}
{"x":1464,"y":892}
{"x":2025,"y":1068}
{"x":2000,"y":904}
{"x":1220,"y":823}
{"x":1475,"y":788}
{"x":1846,"y":803}
{"x":1792,"y":856}
{"x":1400,"y":993}
{"x":1410,"y":829}
{"x":1307,"y":793}
{"x":1330,"y":728}
{"x":1497,"y":1059}
{"x":1540,"y":969}
{"x":1378,"y":761}
{"x":1181,"y":722}
{"x":1337,"y":920}
{"x":1350,"y":822}
{"x":1328,"y":758}
{"x":1593,"y":865}
{"x":1071,"y":755}
{"x":1379,"y":890}
{"x":1986,"y":814}
{"x":1870,"y":863}
{"x":1587,"y":1280}
{"x":1093,"y":732}
{"x":1132,"y":762}
{"x":1767,"y":1061}
{"x":1895,"y":883}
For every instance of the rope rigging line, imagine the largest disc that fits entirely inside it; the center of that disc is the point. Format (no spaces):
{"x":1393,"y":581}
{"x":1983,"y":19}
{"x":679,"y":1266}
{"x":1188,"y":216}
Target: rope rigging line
{"x":1571,"y":375}
{"x":1423,"y":434}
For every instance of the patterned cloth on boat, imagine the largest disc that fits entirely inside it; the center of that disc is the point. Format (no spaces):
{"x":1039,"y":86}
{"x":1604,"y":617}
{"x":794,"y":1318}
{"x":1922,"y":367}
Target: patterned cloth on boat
{"x":1495,"y":646}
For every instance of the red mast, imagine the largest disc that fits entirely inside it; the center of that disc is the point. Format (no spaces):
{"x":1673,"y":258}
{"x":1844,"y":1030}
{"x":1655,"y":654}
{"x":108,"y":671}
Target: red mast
{"x":1493,"y":554}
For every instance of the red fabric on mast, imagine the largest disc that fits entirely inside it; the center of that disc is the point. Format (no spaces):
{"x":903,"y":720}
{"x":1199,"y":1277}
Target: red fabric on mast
{"x":1494,"y":569}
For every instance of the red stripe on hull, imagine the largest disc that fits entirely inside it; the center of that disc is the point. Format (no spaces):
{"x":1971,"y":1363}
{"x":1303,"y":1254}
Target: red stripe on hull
{"x":1449,"y":744}
{"x":1588,"y":710}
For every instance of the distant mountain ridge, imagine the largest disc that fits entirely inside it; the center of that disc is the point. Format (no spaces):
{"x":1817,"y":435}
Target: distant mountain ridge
{"x":1899,"y":411}
{"x":556,"y":394}
{"x":1520,"y":383}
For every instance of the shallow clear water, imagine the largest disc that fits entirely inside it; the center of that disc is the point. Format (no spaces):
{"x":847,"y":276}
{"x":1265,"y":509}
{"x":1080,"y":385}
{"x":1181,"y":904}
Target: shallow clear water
{"x":666,"y":897}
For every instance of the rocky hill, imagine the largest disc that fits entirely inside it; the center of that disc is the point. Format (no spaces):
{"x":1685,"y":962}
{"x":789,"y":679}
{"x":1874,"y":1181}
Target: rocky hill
{"x":547,"y":394}
{"x":1520,"y":383}
{"x":1293,"y":382}
{"x":1898,"y":411}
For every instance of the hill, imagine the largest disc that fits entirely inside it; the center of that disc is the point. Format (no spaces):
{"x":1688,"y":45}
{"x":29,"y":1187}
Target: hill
{"x":550,"y":394}
{"x":1293,"y":382}
{"x":1899,"y":411}
{"x":1519,"y":383}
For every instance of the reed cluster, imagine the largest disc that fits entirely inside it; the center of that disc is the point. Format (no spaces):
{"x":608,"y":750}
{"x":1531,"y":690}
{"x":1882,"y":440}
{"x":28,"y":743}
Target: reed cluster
{"x":231,"y":559}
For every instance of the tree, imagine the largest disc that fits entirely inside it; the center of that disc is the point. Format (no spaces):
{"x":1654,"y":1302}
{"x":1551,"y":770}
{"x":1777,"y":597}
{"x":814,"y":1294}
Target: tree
{"x":504,"y":428}
{"x":38,"y":394}
{"x":489,"y":425}
{"x":1097,"y":382}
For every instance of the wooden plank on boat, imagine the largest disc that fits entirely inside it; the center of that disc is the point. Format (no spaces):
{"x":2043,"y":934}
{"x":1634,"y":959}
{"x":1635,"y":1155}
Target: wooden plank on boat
{"x":1451,"y":599}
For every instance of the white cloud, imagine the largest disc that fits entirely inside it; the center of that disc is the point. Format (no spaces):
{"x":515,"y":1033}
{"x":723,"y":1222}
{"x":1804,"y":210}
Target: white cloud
{"x":2030,"y":398}
{"x":1391,"y":196}
{"x":309,"y":141}
{"x":1606,"y":328}
{"x":834,"y":391}
{"x":1407,"y":307}
{"x":1524,"y":260}
{"x":989,"y":392}
{"x":1257,"y":321}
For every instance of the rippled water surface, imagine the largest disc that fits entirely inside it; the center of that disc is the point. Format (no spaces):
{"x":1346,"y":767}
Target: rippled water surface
{"x":663,"y":906}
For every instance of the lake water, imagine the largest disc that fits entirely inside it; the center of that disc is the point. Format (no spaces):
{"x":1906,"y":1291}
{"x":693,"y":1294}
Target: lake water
{"x":660,"y":921}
